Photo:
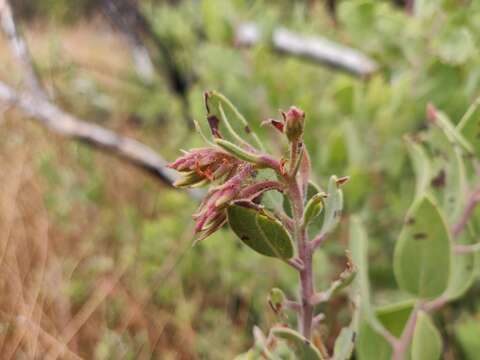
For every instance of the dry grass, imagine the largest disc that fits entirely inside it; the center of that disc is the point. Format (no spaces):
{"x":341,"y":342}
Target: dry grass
{"x":40,"y":259}
{"x":42,"y":256}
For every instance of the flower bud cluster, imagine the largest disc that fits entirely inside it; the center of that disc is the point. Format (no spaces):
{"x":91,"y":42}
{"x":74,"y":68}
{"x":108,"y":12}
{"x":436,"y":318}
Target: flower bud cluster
{"x":202,"y":166}
{"x":212,"y":214}
{"x":230,"y":168}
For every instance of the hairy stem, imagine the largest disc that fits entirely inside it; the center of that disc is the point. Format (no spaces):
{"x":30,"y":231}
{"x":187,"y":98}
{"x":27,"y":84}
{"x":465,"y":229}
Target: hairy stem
{"x":295,"y":157}
{"x":318,"y":240}
{"x":295,"y":263}
{"x":305,"y":254}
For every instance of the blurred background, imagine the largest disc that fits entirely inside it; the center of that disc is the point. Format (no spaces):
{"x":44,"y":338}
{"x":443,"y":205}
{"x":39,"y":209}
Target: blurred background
{"x":96,"y":259}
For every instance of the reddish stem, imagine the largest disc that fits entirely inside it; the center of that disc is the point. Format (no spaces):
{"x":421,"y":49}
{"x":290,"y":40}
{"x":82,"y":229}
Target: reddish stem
{"x":252,"y":191}
{"x":401,"y":346}
{"x":472,"y":202}
{"x":305,"y":254}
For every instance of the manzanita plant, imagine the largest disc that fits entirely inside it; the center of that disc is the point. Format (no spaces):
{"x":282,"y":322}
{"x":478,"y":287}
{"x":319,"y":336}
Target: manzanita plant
{"x":435,"y":258}
{"x":241,"y":175}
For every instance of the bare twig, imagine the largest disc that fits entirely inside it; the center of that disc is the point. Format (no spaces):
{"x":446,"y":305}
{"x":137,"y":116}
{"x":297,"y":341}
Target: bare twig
{"x":67,"y":125}
{"x":316,"y":49}
{"x":35,"y":103}
{"x":19,"y":49}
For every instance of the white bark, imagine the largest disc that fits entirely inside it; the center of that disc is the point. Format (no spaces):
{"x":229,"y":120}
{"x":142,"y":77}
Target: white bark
{"x":316,"y":49}
{"x":67,"y":125}
{"x":19,"y":48}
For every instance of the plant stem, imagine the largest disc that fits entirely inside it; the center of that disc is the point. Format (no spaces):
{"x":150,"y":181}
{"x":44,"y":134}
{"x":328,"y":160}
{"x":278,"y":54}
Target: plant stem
{"x":305,"y":254}
{"x":472,"y":202}
{"x":295,"y":264}
{"x":465,"y":249}
{"x":435,"y":304}
{"x":401,"y":346}
{"x":316,"y":242}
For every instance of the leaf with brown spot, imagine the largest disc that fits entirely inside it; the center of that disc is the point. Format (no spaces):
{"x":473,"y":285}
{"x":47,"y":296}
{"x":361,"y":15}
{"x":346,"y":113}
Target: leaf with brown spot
{"x":422,"y":268}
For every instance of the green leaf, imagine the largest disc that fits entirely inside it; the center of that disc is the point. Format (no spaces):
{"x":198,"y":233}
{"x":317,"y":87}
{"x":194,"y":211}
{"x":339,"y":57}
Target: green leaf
{"x":335,"y":156}
{"x":421,"y":166}
{"x":344,"y":344}
{"x":370,"y":344}
{"x":422,"y":253}
{"x":470,"y":114}
{"x":239,"y":152}
{"x":456,"y":186}
{"x":358,"y":244}
{"x":426,"y":342}
{"x":333,"y":206}
{"x":463,"y":270}
{"x":449,"y":179}
{"x":219,"y":106}
{"x":469,"y":126}
{"x":316,"y":223}
{"x":275,"y":234}
{"x":312,"y":190}
{"x":453,"y":135}
{"x":454,"y":45}
{"x":467,"y":333}
{"x":314,"y":207}
{"x":216,"y":15}
{"x":304,"y":349}
{"x":356,"y":149}
{"x":395,"y":316}
{"x":260,"y":232}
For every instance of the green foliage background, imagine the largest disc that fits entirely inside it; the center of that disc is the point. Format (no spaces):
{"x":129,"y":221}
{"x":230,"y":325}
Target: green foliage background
{"x":208,"y":297}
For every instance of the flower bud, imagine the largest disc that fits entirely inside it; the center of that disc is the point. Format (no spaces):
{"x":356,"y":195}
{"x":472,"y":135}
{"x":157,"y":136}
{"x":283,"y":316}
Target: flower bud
{"x":294,"y":120}
{"x":211,"y":214}
{"x":202,"y":166}
{"x":225,"y":196}
{"x":190,"y":179}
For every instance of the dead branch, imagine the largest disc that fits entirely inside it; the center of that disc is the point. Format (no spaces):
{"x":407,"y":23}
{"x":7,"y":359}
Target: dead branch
{"x":67,"y":125}
{"x":19,"y":48}
{"x":316,"y":49}
{"x":35,"y":103}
